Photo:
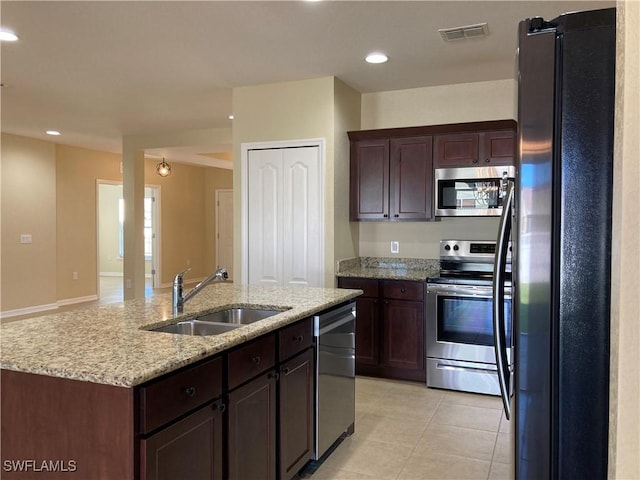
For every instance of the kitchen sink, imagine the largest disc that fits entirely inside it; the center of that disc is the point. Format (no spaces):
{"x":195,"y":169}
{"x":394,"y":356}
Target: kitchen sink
{"x":215,"y":323}
{"x":238,"y":316}
{"x":196,"y":327}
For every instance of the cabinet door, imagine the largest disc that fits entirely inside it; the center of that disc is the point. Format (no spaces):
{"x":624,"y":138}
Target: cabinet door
{"x":498,"y":148}
{"x":296,"y":414}
{"x":403,"y":339}
{"x":457,"y":150}
{"x":190,"y":448}
{"x":369,"y":180}
{"x":252,"y":430}
{"x":366,"y":333}
{"x":411,"y":173}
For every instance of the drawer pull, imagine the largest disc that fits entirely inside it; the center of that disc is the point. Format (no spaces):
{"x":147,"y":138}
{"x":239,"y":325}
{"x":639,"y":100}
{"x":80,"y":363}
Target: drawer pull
{"x":275,"y":375}
{"x":299,"y":338}
{"x":286,"y":370}
{"x":256,"y":359}
{"x":219,"y":406}
{"x":402,"y":290}
{"x":190,"y":391}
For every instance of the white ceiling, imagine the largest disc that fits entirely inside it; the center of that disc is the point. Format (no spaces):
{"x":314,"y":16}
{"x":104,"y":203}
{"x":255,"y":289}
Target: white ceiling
{"x":97,"y":70}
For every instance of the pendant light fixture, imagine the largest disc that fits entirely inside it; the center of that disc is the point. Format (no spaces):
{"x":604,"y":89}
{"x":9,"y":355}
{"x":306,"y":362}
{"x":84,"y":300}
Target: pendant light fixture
{"x":163,"y":168}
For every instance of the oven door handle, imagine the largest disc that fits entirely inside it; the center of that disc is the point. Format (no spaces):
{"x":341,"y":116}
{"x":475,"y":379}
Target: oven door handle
{"x":499,"y":341}
{"x":461,"y":291}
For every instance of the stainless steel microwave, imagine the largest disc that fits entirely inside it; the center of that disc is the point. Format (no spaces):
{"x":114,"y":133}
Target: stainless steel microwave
{"x":471,"y":191}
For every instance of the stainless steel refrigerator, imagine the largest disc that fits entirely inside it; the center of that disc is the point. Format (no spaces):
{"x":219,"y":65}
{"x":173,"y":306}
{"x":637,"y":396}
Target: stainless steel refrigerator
{"x":559,"y":218}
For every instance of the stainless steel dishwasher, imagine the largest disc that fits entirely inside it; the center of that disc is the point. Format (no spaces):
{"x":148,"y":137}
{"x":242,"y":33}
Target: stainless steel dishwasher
{"x":335,"y":375}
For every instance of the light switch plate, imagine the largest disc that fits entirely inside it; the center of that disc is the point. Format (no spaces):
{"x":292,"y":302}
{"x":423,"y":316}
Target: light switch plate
{"x":395,"y":247}
{"x":26,"y":238}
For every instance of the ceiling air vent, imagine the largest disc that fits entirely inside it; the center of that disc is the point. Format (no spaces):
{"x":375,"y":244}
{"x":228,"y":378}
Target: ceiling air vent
{"x":468,"y":31}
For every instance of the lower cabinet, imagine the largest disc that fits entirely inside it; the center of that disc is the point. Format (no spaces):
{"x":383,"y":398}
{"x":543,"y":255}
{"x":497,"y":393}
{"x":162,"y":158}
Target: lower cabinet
{"x":252,"y":429}
{"x":191,"y":448}
{"x":271,"y":417}
{"x":296,"y":410}
{"x":390,"y":338}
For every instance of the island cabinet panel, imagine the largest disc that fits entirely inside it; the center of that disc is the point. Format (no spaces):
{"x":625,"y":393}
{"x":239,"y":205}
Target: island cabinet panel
{"x":296,"y":412}
{"x":169,"y":397}
{"x":74,"y":429}
{"x":190,"y":448}
{"x":251,"y":360}
{"x":389,"y":328}
{"x":252,"y":429}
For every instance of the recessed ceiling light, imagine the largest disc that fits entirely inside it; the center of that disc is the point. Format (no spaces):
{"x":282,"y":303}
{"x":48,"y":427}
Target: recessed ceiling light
{"x":230,"y":117}
{"x":53,"y":132}
{"x":8,"y":36}
{"x":376,"y":57}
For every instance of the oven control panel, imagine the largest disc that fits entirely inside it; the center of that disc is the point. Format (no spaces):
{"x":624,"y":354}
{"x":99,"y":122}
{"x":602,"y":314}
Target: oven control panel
{"x":470,"y":250}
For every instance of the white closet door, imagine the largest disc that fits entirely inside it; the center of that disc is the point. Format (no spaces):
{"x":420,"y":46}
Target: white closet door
{"x":265,"y":217}
{"x":285,"y":217}
{"x":302,"y":242}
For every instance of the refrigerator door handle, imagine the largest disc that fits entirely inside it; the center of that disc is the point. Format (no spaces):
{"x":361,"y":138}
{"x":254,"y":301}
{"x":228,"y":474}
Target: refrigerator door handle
{"x":499,"y":342}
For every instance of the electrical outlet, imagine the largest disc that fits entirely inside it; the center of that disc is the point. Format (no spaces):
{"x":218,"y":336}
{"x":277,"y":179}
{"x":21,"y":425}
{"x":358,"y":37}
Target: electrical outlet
{"x":395,"y":247}
{"x":74,"y":276}
{"x":127,"y":283}
{"x":26,"y":238}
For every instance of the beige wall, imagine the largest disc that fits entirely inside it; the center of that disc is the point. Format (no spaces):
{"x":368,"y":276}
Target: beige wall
{"x":77,"y":172}
{"x":293,"y":111}
{"x":61,"y":215}
{"x":624,"y":459}
{"x":28,"y":207}
{"x":468,"y":102}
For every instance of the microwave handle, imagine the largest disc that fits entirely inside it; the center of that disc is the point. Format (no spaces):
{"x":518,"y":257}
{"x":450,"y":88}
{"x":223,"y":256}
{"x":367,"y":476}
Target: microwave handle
{"x":499,"y":341}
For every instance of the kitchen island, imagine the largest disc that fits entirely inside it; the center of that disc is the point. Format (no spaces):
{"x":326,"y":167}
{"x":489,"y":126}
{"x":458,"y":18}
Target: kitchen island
{"x":94,"y":393}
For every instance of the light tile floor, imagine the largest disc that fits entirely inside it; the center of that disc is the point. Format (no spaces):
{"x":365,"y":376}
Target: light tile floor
{"x":405,"y":430}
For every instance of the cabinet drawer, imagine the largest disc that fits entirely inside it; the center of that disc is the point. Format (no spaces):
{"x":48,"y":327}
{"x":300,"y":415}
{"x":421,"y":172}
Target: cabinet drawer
{"x":295,"y":338}
{"x":170,"y":397}
{"x":368,"y":285}
{"x":251,"y":360}
{"x":403,"y":290}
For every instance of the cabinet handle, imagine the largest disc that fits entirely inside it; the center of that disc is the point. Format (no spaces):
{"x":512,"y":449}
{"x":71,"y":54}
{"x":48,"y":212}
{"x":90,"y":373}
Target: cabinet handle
{"x":190,"y":391}
{"x":286,"y":370}
{"x":475,"y":160}
{"x":396,"y":215}
{"x":402,"y":290}
{"x":219,"y":406}
{"x":385,"y":215}
{"x":275,"y":375}
{"x":487,"y":160}
{"x":299,"y":339}
{"x":256,"y":359}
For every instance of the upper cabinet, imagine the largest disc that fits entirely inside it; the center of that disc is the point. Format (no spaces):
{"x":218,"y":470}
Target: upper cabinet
{"x":475,"y":149}
{"x":392,"y":169}
{"x":391,"y":178}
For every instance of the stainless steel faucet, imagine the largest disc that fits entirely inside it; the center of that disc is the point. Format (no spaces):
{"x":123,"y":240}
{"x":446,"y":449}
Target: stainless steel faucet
{"x":179,"y":299}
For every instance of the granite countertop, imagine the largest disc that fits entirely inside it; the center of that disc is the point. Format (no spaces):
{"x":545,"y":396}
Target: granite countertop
{"x":112,"y":344}
{"x":415,"y":269}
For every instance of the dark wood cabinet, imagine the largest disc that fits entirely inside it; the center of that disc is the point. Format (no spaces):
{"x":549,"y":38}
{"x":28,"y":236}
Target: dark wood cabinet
{"x":391,"y":179}
{"x":190,"y":448}
{"x":251,"y":436}
{"x":494,"y":148}
{"x":389,"y":328}
{"x":391,"y":169}
{"x":296,"y":412}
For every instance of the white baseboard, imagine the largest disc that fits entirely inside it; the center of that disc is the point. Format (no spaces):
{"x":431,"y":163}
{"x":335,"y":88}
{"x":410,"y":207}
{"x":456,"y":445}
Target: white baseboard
{"x":111,"y":274}
{"x":28,"y":310}
{"x":73,"y":301}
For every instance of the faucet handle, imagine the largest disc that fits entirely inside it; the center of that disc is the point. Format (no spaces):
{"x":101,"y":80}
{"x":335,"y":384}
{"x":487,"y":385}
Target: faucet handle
{"x":222,"y":273}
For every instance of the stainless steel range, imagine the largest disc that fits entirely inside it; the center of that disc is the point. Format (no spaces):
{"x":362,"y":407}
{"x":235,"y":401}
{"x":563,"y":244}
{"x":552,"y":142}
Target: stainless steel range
{"x":459,"y":321}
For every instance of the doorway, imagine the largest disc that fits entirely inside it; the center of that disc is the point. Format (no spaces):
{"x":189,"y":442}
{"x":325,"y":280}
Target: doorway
{"x":110,"y":238}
